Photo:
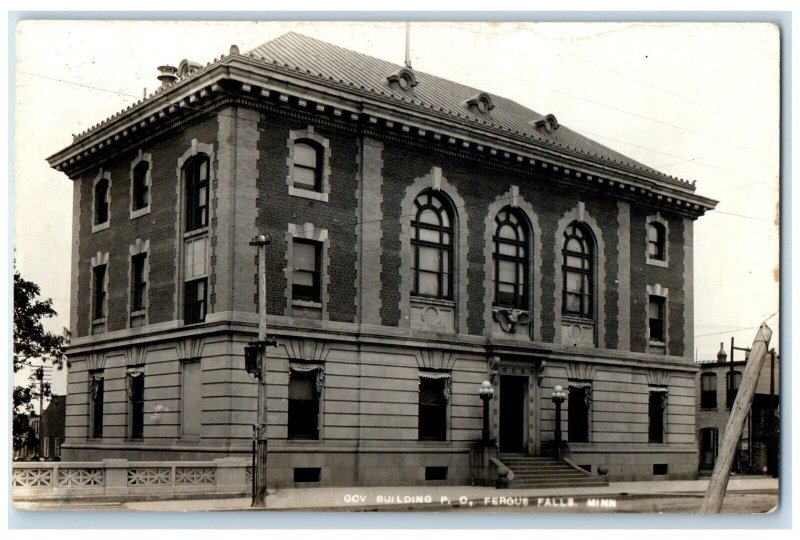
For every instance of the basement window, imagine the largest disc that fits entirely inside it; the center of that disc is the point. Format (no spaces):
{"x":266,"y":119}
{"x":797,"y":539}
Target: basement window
{"x":660,"y":469}
{"x":435,"y":473}
{"x":307,"y":474}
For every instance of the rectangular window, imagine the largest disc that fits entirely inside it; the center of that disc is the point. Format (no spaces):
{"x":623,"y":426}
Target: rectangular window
{"x":708,"y":391}
{"x":578,"y":414}
{"x":195,"y":301}
{"x":432,"y":410}
{"x":194,"y":272}
{"x":303,"y":405}
{"x":191,"y":399}
{"x":57,"y":452}
{"x":195,"y":255}
{"x":306,"y":271}
{"x":137,"y":406}
{"x":99,"y":292}
{"x":96,"y":396}
{"x":655,"y":241}
{"x":197,"y":193}
{"x":141,"y":190}
{"x":46,"y":447}
{"x":655,"y":314}
{"x":731,"y":392}
{"x":656,"y":416}
{"x":101,"y":202}
{"x":138,"y":283}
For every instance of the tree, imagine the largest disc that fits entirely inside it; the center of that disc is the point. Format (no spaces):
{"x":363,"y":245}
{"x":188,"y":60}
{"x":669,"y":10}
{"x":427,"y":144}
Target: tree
{"x":32,"y":343}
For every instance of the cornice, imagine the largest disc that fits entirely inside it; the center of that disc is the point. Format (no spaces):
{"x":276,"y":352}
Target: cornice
{"x":240,"y":79}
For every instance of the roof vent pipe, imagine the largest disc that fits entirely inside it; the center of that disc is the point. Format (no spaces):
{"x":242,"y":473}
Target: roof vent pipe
{"x":167,"y":75}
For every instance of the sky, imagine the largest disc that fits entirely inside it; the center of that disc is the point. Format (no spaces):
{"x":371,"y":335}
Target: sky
{"x":698,"y":101}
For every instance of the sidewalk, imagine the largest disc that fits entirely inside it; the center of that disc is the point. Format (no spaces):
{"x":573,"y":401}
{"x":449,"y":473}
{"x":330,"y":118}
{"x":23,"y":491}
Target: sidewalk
{"x":432,"y":498}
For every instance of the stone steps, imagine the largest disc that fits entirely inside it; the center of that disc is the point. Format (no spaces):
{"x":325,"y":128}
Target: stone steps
{"x":544,"y":472}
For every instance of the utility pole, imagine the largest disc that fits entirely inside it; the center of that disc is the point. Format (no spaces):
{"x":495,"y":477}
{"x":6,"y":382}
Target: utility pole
{"x":731,"y":387}
{"x":260,"y":371}
{"x":739,"y":411}
{"x":40,"y":375}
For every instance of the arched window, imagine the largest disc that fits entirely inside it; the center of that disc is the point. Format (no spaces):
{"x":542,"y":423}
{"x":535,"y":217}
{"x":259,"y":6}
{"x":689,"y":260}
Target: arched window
{"x":307,"y":165}
{"x":432,"y":246}
{"x":511,"y":249}
{"x":578,"y":269}
{"x":656,"y":240}
{"x":101,"y":201}
{"x":196,"y":174}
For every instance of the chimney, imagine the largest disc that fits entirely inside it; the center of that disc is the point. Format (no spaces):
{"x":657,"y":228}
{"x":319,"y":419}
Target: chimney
{"x":722,"y":356}
{"x":167,"y":75}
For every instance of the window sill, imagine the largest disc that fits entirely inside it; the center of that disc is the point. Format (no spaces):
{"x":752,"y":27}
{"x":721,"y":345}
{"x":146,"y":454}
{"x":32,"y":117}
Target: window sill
{"x":307,"y":304}
{"x":576,"y":319}
{"x":308,"y":194}
{"x":140,"y":212}
{"x":101,"y":227}
{"x":655,"y":343}
{"x":433,"y":301}
{"x":139,"y":313}
{"x":658,"y":262}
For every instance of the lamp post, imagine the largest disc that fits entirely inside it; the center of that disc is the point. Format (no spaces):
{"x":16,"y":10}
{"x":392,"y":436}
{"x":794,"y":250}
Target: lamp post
{"x":256,"y":357}
{"x":486,"y":393}
{"x":558,"y":398}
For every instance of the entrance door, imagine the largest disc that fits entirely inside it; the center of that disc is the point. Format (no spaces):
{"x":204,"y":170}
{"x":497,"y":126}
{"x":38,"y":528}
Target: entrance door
{"x":708,"y":447}
{"x":512,"y":413}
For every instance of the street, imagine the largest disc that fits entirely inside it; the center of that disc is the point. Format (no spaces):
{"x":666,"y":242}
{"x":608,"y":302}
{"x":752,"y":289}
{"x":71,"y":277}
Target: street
{"x":735,"y":503}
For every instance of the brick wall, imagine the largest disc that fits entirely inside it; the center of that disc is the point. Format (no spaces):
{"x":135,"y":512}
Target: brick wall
{"x":277,"y":209}
{"x":479,"y":185}
{"x":643,"y":274}
{"x":158,"y":226}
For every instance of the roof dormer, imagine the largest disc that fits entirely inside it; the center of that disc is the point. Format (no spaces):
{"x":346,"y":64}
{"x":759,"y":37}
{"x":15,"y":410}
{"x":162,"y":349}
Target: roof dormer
{"x":187,"y":66}
{"x":480,"y":103}
{"x":547,"y":123}
{"x":403,"y":79}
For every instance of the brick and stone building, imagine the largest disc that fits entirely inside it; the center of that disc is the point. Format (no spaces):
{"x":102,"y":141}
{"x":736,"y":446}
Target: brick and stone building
{"x":426,"y":236}
{"x":717,"y":385}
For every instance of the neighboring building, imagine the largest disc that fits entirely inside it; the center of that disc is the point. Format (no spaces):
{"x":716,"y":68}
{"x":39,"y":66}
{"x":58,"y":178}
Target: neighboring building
{"x":757,"y":451}
{"x":425,"y":236}
{"x":51,"y":428}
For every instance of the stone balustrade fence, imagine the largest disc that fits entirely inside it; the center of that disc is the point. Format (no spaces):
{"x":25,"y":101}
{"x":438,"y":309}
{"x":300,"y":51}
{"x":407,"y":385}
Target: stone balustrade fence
{"x":122,"y":479}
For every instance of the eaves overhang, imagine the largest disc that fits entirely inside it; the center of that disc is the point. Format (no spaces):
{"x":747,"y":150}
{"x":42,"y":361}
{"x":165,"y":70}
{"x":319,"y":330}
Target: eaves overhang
{"x":239,"y":76}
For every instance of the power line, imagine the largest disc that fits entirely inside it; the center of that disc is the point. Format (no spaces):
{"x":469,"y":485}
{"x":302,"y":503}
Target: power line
{"x":646,"y":83}
{"x":683,"y":158}
{"x":715,"y":211}
{"x":348,"y":223}
{"x":612,"y":107}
